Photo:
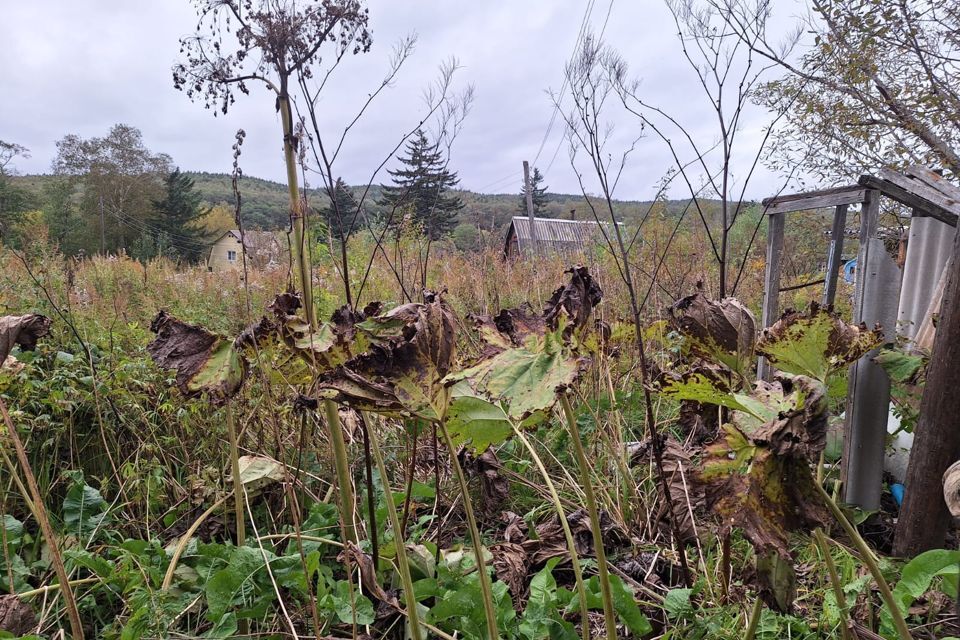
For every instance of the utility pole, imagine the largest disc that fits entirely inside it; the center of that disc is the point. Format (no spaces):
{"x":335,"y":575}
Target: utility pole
{"x":103,"y":233}
{"x":529,"y":192}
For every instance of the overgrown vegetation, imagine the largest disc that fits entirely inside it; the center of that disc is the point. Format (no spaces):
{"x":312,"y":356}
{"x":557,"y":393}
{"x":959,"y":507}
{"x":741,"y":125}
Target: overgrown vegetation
{"x":399,"y":433}
{"x":138,"y":479}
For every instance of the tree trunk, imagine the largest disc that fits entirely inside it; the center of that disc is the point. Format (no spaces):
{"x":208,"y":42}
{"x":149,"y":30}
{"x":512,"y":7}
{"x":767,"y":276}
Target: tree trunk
{"x":924,"y":518}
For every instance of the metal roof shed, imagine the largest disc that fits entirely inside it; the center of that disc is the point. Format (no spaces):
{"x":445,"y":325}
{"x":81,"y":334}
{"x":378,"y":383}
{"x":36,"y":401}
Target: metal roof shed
{"x":551,"y":234}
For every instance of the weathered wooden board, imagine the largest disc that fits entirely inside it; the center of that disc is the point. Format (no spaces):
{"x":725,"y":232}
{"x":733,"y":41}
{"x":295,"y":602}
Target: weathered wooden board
{"x":835,"y":255}
{"x":815,"y":199}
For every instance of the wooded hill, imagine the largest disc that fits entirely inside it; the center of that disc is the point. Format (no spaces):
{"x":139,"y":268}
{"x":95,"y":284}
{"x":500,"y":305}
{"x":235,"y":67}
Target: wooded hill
{"x":265,"y":202}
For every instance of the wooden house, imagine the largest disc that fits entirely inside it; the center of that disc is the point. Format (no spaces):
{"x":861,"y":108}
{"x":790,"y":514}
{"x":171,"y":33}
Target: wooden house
{"x":551,"y":235}
{"x":262,"y":249}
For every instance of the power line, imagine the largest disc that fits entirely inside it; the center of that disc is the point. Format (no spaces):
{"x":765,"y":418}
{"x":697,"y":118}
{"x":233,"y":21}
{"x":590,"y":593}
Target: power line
{"x":511,"y":176}
{"x":556,"y":107}
{"x":145,"y":227}
{"x":156,"y":229}
{"x":556,"y":151}
{"x":553,"y":116}
{"x":581,"y":34}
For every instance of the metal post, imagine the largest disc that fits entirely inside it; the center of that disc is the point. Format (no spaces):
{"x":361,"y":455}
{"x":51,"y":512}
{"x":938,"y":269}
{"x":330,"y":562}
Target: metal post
{"x":868,"y":395}
{"x":771,"y":282}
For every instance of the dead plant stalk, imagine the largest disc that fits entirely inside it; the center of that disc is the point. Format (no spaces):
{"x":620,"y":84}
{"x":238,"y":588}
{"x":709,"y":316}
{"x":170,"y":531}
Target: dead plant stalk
{"x":40,"y":513}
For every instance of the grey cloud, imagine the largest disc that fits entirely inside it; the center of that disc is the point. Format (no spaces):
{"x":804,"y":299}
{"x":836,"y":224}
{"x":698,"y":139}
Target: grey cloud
{"x":79,"y":67}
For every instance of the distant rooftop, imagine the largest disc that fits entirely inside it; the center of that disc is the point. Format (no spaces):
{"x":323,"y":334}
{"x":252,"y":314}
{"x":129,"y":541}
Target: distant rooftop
{"x":551,"y":234}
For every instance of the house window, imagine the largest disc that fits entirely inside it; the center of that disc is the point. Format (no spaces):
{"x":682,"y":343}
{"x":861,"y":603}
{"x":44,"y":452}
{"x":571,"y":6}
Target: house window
{"x":232,"y":256}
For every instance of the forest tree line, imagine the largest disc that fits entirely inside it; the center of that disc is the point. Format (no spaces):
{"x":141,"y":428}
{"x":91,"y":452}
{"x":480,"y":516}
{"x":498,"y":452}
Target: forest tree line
{"x":110,"y":194}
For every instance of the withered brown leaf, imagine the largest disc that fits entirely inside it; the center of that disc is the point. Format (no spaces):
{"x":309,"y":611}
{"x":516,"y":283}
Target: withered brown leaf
{"x":22,"y":331}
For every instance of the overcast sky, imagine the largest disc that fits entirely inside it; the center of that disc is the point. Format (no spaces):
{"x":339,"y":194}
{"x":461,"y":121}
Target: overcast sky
{"x":79,"y":66}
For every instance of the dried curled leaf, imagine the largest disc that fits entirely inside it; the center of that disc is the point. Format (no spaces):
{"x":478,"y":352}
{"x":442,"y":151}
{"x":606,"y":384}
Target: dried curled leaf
{"x":16,"y":616}
{"x":510,"y":327}
{"x":758,"y":477}
{"x":571,"y":304}
{"x":686,"y":497}
{"x":205,"y":362}
{"x":368,"y":576}
{"x":22,"y":331}
{"x":406,"y":354}
{"x":951,"y":489}
{"x":575,"y":300}
{"x":721,"y":331}
{"x":799,"y":427}
{"x":816,"y":342}
{"x":765,"y":495}
{"x":550,"y":541}
{"x":494,"y":488}
{"x":512,"y":566}
{"x":332,"y":343}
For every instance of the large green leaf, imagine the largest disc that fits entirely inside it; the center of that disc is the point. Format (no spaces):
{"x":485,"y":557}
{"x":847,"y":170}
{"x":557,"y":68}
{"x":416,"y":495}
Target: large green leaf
{"x":84,"y":509}
{"x":815,"y":343}
{"x":917,"y":577}
{"x":901,"y":367}
{"x":541,"y":617}
{"x":525,"y":380}
{"x":627,"y":609}
{"x":677,"y":602}
{"x":358,"y":608}
{"x":12,"y":530}
{"x":230,"y":586}
{"x":525,"y":360}
{"x":475,"y":422}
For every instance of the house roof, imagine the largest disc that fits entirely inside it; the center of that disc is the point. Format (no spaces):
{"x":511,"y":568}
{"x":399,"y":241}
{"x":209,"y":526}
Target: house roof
{"x":253,"y":240}
{"x":553,"y":233}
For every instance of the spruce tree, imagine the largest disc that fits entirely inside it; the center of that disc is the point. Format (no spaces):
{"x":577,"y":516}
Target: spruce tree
{"x":62,"y":216}
{"x":539,"y":194}
{"x":420,"y":187}
{"x":176,"y":219}
{"x":341,"y":215}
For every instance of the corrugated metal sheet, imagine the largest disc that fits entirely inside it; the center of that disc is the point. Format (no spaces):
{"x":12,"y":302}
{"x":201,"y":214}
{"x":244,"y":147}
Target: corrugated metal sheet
{"x":551,"y":234}
{"x":928,"y":249}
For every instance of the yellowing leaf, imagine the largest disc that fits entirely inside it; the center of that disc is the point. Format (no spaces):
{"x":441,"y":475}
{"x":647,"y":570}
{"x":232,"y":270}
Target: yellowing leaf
{"x":525,"y":379}
{"x":205,"y":362}
{"x":815,"y":343}
{"x":475,"y":422}
{"x":258,"y":471}
{"x":700,"y":387}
